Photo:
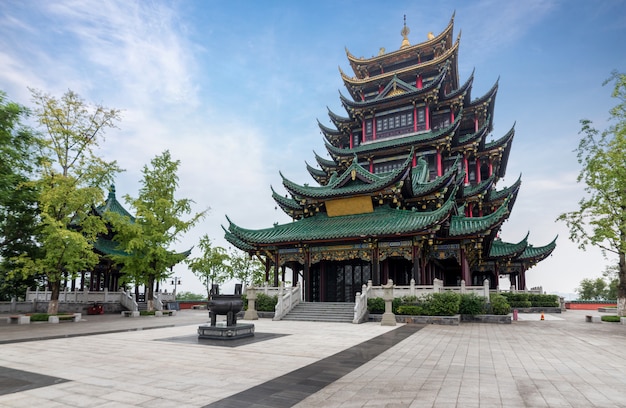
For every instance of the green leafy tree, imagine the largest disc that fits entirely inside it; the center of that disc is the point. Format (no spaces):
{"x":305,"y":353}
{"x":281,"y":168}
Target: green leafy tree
{"x":157,"y":226}
{"x":212,"y":266}
{"x":246,"y":269}
{"x":18,"y":200}
{"x":592,"y":289}
{"x":601,"y":218}
{"x":71,"y":180}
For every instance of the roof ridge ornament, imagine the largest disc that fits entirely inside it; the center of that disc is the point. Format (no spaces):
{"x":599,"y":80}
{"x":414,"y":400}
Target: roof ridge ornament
{"x":405,"y":33}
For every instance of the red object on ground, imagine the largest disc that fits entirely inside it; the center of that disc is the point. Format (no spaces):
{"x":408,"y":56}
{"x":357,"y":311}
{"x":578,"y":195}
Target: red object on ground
{"x":95,"y":309}
{"x":587,"y":306}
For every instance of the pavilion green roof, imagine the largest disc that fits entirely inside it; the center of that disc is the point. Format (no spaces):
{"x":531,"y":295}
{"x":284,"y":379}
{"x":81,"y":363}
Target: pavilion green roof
{"x":406,"y":141}
{"x":536,"y":254}
{"x":500,"y":249}
{"x":383,"y":221}
{"x":355,"y":180}
{"x":112,"y":205}
{"x":464,"y":226}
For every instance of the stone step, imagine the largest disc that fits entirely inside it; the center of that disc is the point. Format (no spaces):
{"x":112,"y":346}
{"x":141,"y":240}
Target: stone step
{"x":322,"y":312}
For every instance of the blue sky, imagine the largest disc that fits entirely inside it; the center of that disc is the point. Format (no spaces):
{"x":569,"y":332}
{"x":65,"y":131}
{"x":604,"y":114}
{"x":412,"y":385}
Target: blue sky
{"x":234,"y":91}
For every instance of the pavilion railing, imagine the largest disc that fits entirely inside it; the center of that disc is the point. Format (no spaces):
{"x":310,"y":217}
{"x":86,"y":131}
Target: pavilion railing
{"x":127,"y":300}
{"x":85,"y":296}
{"x":287,"y":301}
{"x":360,"y":303}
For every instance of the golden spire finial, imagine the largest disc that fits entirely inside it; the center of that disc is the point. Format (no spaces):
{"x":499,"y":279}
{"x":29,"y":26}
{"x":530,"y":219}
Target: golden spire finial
{"x":405,"y":33}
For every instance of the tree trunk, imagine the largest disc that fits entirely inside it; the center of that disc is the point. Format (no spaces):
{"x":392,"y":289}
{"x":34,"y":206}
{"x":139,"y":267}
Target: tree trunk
{"x":53,"y":305}
{"x":621,"y":286}
{"x":150,"y":293}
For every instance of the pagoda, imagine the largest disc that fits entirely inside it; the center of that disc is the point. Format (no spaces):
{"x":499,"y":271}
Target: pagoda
{"x":410,"y":189}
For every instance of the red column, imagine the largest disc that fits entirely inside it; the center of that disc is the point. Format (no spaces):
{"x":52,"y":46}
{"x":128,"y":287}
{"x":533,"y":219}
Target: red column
{"x":371,"y":166}
{"x":471,"y":210}
{"x":351,"y":143}
{"x":490,"y":167}
{"x":363,"y":131}
{"x":419,"y":84}
{"x":414,"y":118}
{"x":478,"y":180}
{"x":451,"y":116}
{"x":374,"y":126}
{"x":414,"y":159}
{"x":427,"y":116}
{"x":475,"y":123}
{"x":466,"y":165}
{"x":439,"y":167}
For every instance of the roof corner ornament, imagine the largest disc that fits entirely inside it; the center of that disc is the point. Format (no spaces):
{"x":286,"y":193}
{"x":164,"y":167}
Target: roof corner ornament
{"x":405,"y":34}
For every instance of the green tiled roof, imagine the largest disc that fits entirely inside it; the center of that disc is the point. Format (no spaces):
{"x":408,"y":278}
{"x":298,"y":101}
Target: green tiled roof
{"x":474,"y":189}
{"x":285,"y":202}
{"x":343,"y":185}
{"x":107,"y":247}
{"x":462,"y":226}
{"x":504,"y":140}
{"x":470,"y":137}
{"x":112,"y":205}
{"x":383,"y":144}
{"x":430,"y":86}
{"x":384,"y":221}
{"x":419,"y":174}
{"x":536,"y":254}
{"x":500,"y":249}
{"x":495,"y":195}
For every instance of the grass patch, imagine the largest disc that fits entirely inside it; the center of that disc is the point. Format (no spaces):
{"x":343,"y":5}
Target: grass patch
{"x":612,"y":319}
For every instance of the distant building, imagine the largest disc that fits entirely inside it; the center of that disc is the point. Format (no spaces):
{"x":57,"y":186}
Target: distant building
{"x":409,"y":191}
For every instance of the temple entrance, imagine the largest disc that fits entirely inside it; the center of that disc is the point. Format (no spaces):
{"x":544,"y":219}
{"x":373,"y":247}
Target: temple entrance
{"x":338,"y":281}
{"x":397,"y":269}
{"x":452,"y":272}
{"x":478,"y":278}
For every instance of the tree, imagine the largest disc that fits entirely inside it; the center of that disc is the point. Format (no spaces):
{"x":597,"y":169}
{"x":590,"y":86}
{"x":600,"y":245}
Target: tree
{"x":246,"y":269}
{"x":212,"y":266}
{"x":71,"y":180}
{"x":158,"y":224}
{"x":18,"y":209}
{"x":601,"y":218}
{"x":592,"y":289}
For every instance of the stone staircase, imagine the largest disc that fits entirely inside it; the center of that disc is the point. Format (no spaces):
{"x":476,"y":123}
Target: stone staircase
{"x":322,"y":312}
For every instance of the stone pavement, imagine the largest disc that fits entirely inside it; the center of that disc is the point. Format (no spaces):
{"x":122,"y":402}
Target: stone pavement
{"x":110,"y":361}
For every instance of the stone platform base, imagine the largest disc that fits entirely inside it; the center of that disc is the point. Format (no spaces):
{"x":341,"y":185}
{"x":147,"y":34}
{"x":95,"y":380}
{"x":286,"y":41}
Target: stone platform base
{"x":220,"y":332}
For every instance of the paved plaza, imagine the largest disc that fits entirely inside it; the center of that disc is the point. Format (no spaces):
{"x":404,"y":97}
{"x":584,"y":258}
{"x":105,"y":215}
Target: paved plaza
{"x":113,"y":361}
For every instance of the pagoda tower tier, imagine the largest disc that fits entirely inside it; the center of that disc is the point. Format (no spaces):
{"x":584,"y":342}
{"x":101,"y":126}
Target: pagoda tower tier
{"x":408,"y":190}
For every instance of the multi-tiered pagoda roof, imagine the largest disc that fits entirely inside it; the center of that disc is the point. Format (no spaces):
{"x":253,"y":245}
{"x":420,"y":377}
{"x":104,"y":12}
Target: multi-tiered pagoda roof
{"x":411,"y":163}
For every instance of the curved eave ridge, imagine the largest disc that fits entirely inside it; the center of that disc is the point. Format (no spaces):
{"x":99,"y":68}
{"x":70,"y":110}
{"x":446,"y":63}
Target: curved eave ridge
{"x":463,"y":226}
{"x":318,"y":175}
{"x":446,"y":33}
{"x":383,"y":221}
{"x":496,"y":195}
{"x":337,"y":119}
{"x":419,"y":188}
{"x":393,"y":86}
{"x":500,"y":249}
{"x":478,"y":135}
{"x":354,"y":81}
{"x":355,"y":180}
{"x":430,"y":86}
{"x":537,"y":254}
{"x":237,"y":242}
{"x":285,"y":203}
{"x":408,"y":140}
{"x":487,"y":97}
{"x":475,"y":189}
{"x":327,"y":131}
{"x":325,"y":164}
{"x":504,"y":141}
{"x":464,"y":90}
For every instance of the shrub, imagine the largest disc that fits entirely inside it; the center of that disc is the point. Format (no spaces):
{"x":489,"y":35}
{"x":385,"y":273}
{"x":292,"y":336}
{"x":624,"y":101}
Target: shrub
{"x":517,"y":299}
{"x":442,"y":304}
{"x":39,"y":317}
{"x":612,"y":319}
{"x":265,"y":303}
{"x":499,"y":305}
{"x":540,"y":300}
{"x":411,"y":310}
{"x":471,"y":304}
{"x":376,"y":305}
